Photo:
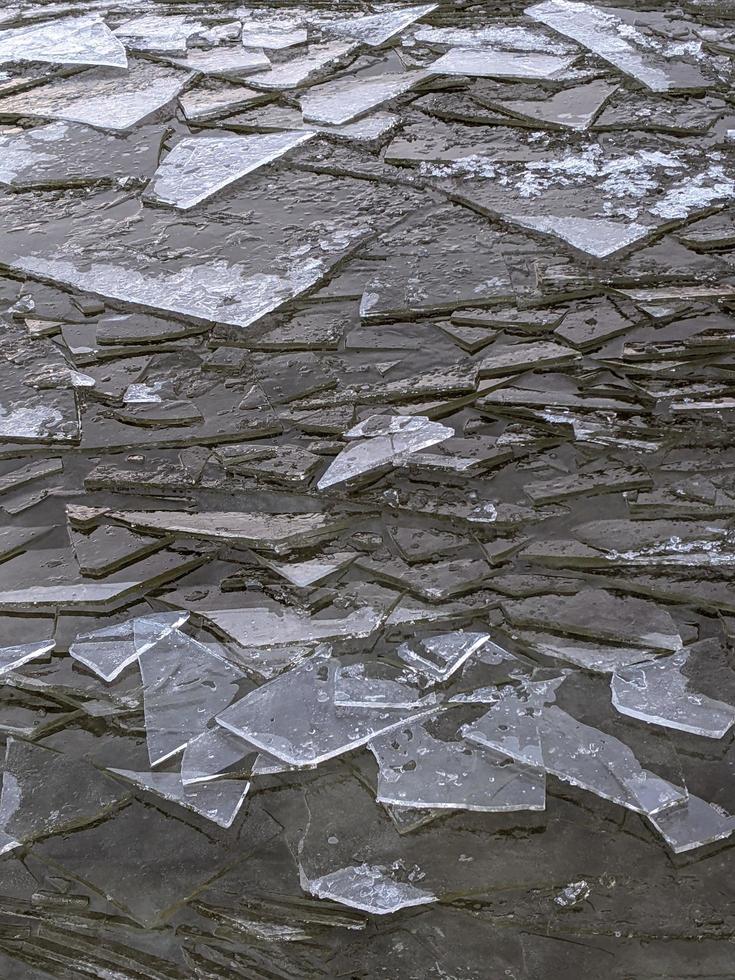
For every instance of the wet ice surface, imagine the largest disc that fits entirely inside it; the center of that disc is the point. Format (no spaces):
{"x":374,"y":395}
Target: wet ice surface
{"x":366,"y":512}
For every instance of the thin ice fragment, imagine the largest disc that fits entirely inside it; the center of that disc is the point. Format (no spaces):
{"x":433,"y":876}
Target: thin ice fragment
{"x":659,"y":693}
{"x":335,"y":103}
{"x":693,"y":824}
{"x":199,"y":166}
{"x":109,"y":650}
{"x":371,"y":888}
{"x":219,"y":802}
{"x":83,"y":40}
{"x":496,"y":63}
{"x":376,"y":29}
{"x":440,"y":656}
{"x":13,"y":657}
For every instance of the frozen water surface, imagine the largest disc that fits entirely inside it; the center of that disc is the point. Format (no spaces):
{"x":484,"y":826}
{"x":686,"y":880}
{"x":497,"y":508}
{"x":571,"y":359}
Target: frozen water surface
{"x":367,"y":560}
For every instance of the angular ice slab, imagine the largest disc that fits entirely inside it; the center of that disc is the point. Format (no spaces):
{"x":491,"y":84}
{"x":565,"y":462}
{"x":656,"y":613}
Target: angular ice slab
{"x":598,"y":237}
{"x":199,"y":166}
{"x":214,"y":755}
{"x":13,"y":657}
{"x":551,"y":739}
{"x":185,"y":684}
{"x":420,"y":770}
{"x":224,"y":62}
{"x":573,"y":108}
{"x":381,"y":441}
{"x":338,"y":102}
{"x":375,"y":29}
{"x":108,"y":651}
{"x":693,"y":824}
{"x":103,"y":97}
{"x":371,"y":888}
{"x":70,"y":41}
{"x":294,"y":717}
{"x":219,"y":802}
{"x":299,"y":71}
{"x":489,"y":63}
{"x":603,"y":33}
{"x":660,"y":694}
{"x":379,"y":684}
{"x":64,"y":153}
{"x":440,"y":656}
{"x":159,"y":34}
{"x":274,"y":35}
{"x":211,"y":291}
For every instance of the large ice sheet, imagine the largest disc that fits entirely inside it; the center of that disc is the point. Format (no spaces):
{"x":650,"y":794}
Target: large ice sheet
{"x":85,"y":40}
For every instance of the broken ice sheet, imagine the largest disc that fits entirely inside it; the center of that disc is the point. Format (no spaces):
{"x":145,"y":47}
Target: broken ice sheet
{"x":596,"y":236}
{"x":599,"y":615}
{"x":496,"y":63}
{"x":372,"y":888}
{"x":13,"y":657}
{"x":693,"y":824}
{"x":379,"y":684}
{"x":66,"y":154}
{"x":159,"y":34}
{"x":274,"y":34}
{"x":547,"y":737}
{"x":295,"y":718}
{"x":224,"y":62}
{"x":199,"y":166}
{"x":606,"y":35}
{"x":380,"y":442}
{"x":109,"y":650}
{"x":420,"y":767}
{"x":69,"y":41}
{"x":439,"y":656}
{"x":573,"y":108}
{"x":219,"y":801}
{"x":102,"y":98}
{"x":341,"y":101}
{"x":185,"y":684}
{"x":214,"y":755}
{"x":46,"y":792}
{"x":659,"y":693}
{"x":375,"y":29}
{"x":302,"y":69}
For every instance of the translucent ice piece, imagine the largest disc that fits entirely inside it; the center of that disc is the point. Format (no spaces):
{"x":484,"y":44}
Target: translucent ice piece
{"x":609,"y":37}
{"x":659,"y":693}
{"x":304,"y":574}
{"x":103,"y":97}
{"x":108,"y":651}
{"x":294,"y":717}
{"x":199,"y":166}
{"x":159,"y":34}
{"x":216,"y":754}
{"x":441,"y":655}
{"x":14,"y":657}
{"x":258,"y":628}
{"x":693,"y":824}
{"x":573,"y":108}
{"x":489,"y":63}
{"x":376,"y":29}
{"x":378,"y":684}
{"x":218,"y":801}
{"x":275,"y":35}
{"x":372,"y":888}
{"x":298,"y":71}
{"x":420,"y":770}
{"x":390,"y":437}
{"x":593,"y":236}
{"x":224,"y":62}
{"x":185,"y":684}
{"x":574,"y":753}
{"x":338,"y":102}
{"x":70,"y":41}
{"x":45,"y":792}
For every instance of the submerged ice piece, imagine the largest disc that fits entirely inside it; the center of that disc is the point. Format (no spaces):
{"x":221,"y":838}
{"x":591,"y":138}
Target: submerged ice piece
{"x":383,"y":440}
{"x":420,"y":770}
{"x":659,"y":693}
{"x":199,"y":166}
{"x":218,"y":801}
{"x":375,"y":29}
{"x":185,"y":684}
{"x":83,"y":40}
{"x":550,"y":738}
{"x":438,"y":657}
{"x":340,"y":101}
{"x":295,"y":718}
{"x":371,"y":888}
{"x":46,"y":792}
{"x":108,"y":651}
{"x":609,"y":37}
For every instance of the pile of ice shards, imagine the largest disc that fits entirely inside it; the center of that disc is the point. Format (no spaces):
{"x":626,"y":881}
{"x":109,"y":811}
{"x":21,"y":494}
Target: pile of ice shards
{"x":367,"y":506}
